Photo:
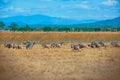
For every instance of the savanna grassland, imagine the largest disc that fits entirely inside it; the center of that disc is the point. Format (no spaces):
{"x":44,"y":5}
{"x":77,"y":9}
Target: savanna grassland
{"x":50,"y":37}
{"x":59,"y":63}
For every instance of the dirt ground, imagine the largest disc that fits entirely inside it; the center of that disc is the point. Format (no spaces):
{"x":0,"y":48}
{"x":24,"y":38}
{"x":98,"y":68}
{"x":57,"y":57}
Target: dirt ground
{"x":60,"y":63}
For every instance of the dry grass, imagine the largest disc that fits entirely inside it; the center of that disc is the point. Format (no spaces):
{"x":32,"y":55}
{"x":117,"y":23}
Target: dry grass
{"x":60,"y":63}
{"x":60,"y":36}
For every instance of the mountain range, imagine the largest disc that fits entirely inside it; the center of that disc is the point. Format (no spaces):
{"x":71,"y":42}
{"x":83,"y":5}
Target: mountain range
{"x":110,"y":22}
{"x":38,"y":20}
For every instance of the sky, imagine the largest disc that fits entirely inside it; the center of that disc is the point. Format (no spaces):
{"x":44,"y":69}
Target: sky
{"x":71,"y":9}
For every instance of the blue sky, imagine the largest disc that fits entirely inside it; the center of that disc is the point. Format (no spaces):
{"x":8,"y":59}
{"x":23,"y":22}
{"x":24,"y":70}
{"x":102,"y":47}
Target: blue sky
{"x":71,"y":9}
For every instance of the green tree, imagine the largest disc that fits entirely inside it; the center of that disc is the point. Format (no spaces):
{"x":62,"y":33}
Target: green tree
{"x":13,"y":26}
{"x":2,"y":24}
{"x":27,"y":28}
{"x":47,"y":29}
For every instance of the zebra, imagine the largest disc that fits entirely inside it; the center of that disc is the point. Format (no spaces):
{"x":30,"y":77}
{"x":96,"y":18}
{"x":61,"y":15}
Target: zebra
{"x":94,"y":44}
{"x":55,"y":45}
{"x":8,"y":45}
{"x":58,"y":45}
{"x":115,"y":44}
{"x":29,"y":45}
{"x":25,"y":42}
{"x":102,"y":44}
{"x":16,"y":46}
{"x":45,"y":46}
{"x":72,"y":45}
{"x":81,"y":45}
{"x":75,"y":47}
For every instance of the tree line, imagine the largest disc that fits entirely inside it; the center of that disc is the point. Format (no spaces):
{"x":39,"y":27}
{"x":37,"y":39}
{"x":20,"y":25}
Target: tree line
{"x":15,"y":27}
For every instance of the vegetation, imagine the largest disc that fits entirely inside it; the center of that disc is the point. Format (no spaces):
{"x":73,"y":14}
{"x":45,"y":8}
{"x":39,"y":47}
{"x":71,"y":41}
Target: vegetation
{"x":69,"y":29}
{"x":2,"y":25}
{"x":26,"y":28}
{"x":14,"y":26}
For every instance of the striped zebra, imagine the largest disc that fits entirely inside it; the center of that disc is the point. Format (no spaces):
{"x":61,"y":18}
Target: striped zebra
{"x":29,"y":45}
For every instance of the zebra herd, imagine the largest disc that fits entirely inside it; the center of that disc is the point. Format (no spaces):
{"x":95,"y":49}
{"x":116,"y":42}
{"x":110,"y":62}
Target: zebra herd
{"x":53,"y":45}
{"x":93,"y":44}
{"x":26,"y":44}
{"x":77,"y":46}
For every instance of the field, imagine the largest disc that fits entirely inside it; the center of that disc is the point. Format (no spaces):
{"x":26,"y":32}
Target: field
{"x":60,"y":63}
{"x":50,"y":37}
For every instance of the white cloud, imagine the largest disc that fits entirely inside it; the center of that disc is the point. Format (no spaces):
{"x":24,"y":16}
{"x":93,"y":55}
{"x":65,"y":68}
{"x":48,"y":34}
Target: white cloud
{"x":19,"y":10}
{"x":12,"y":9}
{"x":65,"y":6}
{"x":110,"y":2}
{"x":83,"y":5}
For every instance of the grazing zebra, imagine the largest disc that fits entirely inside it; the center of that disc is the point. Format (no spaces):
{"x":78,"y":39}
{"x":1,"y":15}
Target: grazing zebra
{"x":16,"y":46}
{"x":29,"y":45}
{"x":8,"y":45}
{"x":81,"y":45}
{"x":115,"y":44}
{"x":102,"y":44}
{"x":45,"y":46}
{"x":55,"y":45}
{"x":72,"y":45}
{"x":58,"y":45}
{"x":25,"y":42}
{"x":94,"y":44}
{"x":75,"y":47}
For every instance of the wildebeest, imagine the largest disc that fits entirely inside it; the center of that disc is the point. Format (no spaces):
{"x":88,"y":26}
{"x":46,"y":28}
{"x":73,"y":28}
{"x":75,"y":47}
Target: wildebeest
{"x":115,"y":44}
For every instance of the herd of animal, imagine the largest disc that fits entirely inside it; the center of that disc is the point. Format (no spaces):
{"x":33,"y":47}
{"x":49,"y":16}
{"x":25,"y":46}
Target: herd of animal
{"x":26,"y":44}
{"x":93,"y":44}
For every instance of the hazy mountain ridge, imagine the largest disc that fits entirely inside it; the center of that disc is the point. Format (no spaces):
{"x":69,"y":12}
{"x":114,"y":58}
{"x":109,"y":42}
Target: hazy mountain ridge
{"x":37,"y":20}
{"x":42,"y":20}
{"x":110,"y":22}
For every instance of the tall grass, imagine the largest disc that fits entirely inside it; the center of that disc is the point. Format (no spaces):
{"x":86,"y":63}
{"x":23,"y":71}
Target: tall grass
{"x":60,"y":36}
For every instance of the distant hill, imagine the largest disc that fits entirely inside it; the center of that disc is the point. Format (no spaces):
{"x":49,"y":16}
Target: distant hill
{"x":111,"y":22}
{"x":38,"y":20}
{"x":42,"y":20}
